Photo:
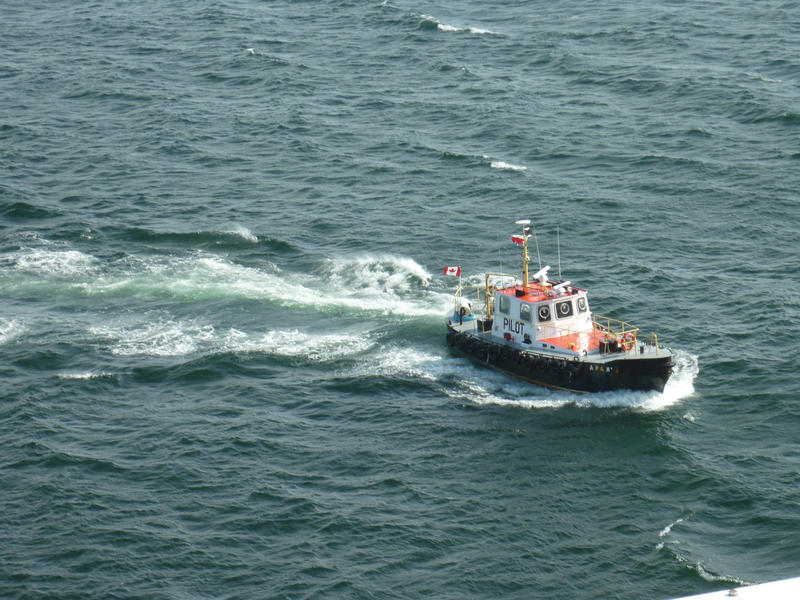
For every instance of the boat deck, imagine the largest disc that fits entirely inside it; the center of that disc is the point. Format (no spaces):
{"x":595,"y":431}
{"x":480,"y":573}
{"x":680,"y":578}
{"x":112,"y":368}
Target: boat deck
{"x":577,"y":341}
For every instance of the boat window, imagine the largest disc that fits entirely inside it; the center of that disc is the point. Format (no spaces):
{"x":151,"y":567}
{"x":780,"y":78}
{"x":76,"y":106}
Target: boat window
{"x":582,"y":306}
{"x":505,"y":304}
{"x":543,"y":312}
{"x":525,"y":311}
{"x":564,"y":309}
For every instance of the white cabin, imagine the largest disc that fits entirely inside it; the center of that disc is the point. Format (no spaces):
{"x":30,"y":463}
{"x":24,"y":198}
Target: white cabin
{"x":544,"y":314}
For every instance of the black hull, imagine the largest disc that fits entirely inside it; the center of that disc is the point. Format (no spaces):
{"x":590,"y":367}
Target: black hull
{"x":645,"y":374}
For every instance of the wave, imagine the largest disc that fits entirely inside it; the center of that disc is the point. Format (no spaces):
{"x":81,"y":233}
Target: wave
{"x":230,"y":236}
{"x":243,"y":233}
{"x":22,"y":211}
{"x":674,"y":549}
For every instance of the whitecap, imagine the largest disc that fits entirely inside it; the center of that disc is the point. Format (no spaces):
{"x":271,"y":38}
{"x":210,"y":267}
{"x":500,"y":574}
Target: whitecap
{"x":83,"y":375}
{"x":480,"y":31}
{"x":762,"y":77}
{"x":443,"y":27}
{"x":498,"y":164}
{"x":10,"y":330}
{"x":666,"y":531}
{"x":243,"y":233}
{"x":454,"y":29}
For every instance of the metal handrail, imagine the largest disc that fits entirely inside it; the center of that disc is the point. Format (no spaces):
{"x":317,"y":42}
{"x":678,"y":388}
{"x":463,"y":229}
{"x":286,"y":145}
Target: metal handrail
{"x":478,"y":297}
{"x":622,"y":328}
{"x":481,"y":292}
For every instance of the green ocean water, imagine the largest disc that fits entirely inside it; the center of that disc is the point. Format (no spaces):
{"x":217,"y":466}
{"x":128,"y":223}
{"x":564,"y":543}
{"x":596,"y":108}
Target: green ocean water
{"x":222,"y":339}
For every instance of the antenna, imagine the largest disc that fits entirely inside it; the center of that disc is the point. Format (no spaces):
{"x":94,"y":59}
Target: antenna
{"x":558,"y":243}
{"x":536,"y":239}
{"x":500,"y":259}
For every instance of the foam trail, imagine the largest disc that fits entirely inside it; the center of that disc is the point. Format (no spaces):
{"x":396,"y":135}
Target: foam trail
{"x":383,"y":284}
{"x":407,"y":362}
{"x":171,"y":338}
{"x":300,"y":344}
{"x":53,"y":262}
{"x":160,"y":338}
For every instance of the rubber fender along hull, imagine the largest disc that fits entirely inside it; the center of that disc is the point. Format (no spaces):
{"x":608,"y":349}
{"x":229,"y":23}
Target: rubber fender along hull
{"x":644,"y":374}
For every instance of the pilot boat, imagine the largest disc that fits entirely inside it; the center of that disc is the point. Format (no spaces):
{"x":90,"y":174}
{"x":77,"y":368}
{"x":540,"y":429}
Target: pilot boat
{"x":542,"y":331}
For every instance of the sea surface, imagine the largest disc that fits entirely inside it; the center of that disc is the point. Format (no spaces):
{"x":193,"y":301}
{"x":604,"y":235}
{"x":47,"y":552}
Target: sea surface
{"x":223,"y":228}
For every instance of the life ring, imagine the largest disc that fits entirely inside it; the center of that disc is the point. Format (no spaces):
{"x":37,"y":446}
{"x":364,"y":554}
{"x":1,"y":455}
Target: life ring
{"x":628,"y":341}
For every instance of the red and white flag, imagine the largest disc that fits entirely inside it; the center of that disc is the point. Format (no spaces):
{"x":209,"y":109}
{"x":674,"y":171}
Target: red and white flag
{"x":453,"y":271}
{"x":518,"y":239}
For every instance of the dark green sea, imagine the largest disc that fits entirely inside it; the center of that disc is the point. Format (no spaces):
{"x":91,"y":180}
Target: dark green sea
{"x":222,"y":341}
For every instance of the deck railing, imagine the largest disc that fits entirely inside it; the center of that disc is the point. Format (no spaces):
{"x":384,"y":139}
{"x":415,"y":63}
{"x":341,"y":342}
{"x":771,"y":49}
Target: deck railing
{"x":475,"y":294}
{"x":613,"y":327}
{"x":622,"y":332}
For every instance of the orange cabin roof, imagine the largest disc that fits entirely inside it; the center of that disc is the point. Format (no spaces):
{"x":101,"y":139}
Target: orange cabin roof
{"x":536,"y":292}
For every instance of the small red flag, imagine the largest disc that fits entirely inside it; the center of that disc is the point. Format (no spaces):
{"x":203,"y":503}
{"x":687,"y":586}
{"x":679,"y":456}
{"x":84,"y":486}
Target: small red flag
{"x":453,"y":271}
{"x":518,"y":239}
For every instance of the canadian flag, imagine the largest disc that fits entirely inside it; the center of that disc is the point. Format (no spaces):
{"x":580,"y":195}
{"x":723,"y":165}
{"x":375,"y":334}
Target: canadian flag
{"x":453,"y":271}
{"x":518,"y":239}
